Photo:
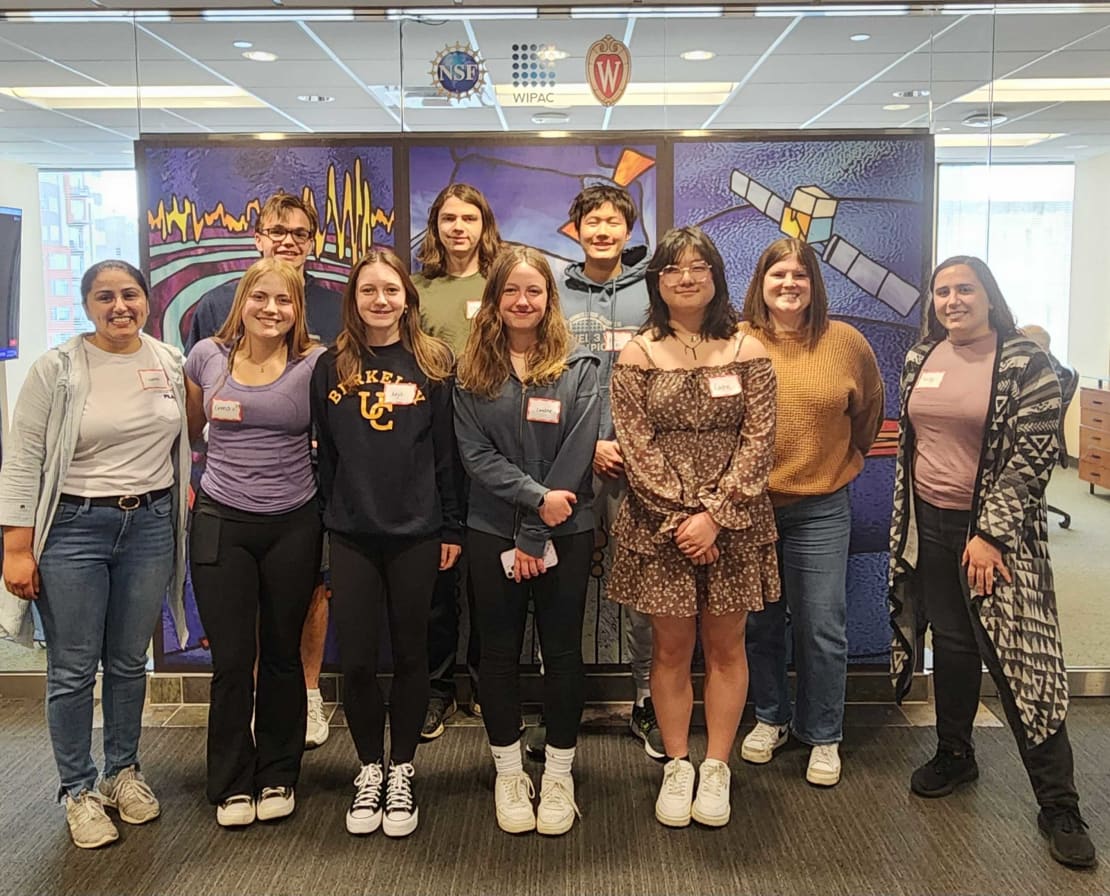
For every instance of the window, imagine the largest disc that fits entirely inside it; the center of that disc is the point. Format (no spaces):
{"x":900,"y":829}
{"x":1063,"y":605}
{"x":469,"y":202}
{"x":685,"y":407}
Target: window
{"x":59,"y":312}
{"x":59,"y":287}
{"x":58,"y":261}
{"x":1018,"y":219}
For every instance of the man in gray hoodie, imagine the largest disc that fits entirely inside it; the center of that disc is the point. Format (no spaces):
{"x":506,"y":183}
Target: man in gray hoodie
{"x":605,"y":302}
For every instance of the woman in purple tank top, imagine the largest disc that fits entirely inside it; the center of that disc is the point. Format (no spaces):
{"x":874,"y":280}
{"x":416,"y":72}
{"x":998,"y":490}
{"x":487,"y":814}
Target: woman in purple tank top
{"x":255,"y":539}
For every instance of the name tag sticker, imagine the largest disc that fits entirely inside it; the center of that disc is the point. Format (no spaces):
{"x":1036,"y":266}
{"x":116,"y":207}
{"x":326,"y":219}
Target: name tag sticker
{"x":472,"y":308}
{"x":544,"y":410}
{"x":724,"y":385}
{"x":154,"y":380}
{"x":930,"y":379}
{"x":616,"y":340}
{"x":227,"y":409}
{"x":400,"y":393}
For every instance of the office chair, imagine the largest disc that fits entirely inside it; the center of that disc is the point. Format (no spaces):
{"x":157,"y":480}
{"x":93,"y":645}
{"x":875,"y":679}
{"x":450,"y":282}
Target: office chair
{"x":1069,"y":381}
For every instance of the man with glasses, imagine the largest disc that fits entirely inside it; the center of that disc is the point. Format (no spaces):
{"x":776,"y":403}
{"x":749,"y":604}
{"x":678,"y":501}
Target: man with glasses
{"x":605,"y":301}
{"x":286,"y":229}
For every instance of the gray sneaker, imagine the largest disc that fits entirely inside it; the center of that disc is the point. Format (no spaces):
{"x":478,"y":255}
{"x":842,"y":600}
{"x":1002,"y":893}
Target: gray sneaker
{"x":89,"y":825}
{"x":129,"y":793}
{"x":645,"y":726}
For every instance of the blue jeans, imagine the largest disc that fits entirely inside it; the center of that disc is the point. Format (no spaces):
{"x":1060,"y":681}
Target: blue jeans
{"x":104,"y":576}
{"x":813,"y":562}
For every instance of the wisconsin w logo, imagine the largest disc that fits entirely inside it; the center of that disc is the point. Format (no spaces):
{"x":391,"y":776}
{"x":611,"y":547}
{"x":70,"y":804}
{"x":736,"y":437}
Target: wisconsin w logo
{"x":608,"y":68}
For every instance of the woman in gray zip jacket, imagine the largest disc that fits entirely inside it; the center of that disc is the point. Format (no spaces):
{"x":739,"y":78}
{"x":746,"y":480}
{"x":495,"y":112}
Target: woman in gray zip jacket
{"x":93,"y":509}
{"x":526,"y":417}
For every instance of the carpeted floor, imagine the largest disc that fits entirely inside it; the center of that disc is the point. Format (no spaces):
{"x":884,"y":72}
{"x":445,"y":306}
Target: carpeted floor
{"x":867,"y":836}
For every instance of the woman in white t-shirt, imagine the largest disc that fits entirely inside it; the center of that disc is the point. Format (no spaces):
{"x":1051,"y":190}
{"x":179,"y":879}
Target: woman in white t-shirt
{"x":93,"y":511}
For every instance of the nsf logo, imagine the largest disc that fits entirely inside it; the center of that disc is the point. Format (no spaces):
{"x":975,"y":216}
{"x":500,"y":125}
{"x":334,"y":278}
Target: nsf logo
{"x":458,"y":71}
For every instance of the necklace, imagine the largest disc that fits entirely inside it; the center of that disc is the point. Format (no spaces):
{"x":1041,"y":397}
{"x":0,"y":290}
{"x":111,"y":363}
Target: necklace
{"x":688,"y":341}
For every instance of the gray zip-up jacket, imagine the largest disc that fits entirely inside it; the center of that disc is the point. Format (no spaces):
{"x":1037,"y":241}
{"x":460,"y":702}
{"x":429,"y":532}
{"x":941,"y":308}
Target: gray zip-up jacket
{"x":513,"y":461}
{"x":43,"y":438}
{"x":605,"y":316}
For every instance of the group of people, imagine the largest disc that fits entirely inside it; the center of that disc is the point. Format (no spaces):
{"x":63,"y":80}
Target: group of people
{"x":467,"y":432}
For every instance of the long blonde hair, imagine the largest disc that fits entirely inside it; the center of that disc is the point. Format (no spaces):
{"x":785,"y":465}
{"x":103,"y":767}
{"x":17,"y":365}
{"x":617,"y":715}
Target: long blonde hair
{"x":433,"y":356}
{"x":485,"y":364}
{"x":232,"y":333}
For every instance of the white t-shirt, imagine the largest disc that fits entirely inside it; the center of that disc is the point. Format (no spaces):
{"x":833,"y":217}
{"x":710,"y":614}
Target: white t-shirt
{"x":127,"y":430}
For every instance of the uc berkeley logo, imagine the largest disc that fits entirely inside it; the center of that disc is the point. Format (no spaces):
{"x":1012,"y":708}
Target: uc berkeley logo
{"x":458,"y":71}
{"x":608,"y":68}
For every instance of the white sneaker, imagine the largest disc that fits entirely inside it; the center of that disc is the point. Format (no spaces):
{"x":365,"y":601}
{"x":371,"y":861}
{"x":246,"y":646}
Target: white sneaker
{"x":275,"y":803}
{"x":316,"y":727}
{"x":512,"y":796}
{"x":557,"y":807}
{"x":401,"y":813}
{"x":711,"y":805}
{"x":824,"y":765}
{"x":760,"y":744}
{"x":236,"y":811}
{"x":673,"y":806}
{"x":365,"y":814}
{"x":89,"y":825}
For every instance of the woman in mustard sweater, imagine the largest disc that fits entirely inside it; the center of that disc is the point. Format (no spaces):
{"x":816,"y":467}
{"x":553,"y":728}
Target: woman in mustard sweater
{"x":830,"y":406}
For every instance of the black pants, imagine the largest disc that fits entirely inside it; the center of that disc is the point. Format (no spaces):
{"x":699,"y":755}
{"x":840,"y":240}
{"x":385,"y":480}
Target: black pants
{"x":559,"y":599}
{"x":370,"y":579}
{"x":253,"y":575}
{"x":960,"y":649}
{"x":453,"y":588}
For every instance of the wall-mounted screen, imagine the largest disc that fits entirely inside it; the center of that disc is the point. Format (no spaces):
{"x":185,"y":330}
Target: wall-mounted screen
{"x":11,"y":241}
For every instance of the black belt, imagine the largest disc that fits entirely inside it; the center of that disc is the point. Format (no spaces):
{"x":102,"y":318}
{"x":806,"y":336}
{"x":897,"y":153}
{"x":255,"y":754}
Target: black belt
{"x":123,"y":502}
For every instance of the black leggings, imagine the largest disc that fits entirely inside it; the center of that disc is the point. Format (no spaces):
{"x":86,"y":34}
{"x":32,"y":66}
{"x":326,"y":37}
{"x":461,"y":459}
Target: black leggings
{"x":253,"y":576}
{"x":559,"y":598}
{"x":400,"y":574}
{"x":961,"y":646}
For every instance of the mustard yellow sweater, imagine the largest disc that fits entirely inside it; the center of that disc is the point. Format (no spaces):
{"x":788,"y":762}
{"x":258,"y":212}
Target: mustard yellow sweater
{"x":830,"y":407}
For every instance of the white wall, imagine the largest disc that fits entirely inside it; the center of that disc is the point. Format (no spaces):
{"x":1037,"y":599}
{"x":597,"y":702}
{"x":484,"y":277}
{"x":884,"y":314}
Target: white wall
{"x":1089,"y":319}
{"x":19,"y":188}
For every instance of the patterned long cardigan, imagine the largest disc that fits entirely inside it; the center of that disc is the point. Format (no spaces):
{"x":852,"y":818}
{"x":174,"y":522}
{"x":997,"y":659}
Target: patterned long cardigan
{"x":1008,"y":510}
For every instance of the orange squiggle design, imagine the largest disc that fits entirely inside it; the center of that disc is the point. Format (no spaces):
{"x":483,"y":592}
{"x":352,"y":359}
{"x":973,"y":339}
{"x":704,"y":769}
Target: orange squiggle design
{"x":349,"y":211}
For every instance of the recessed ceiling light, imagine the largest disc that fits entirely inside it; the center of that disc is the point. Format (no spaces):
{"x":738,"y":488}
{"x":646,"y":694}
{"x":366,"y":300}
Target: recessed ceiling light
{"x":995,"y":140}
{"x":913,"y":94}
{"x":896,"y":107}
{"x":861,"y":36}
{"x":315,"y":98}
{"x":552,"y":54}
{"x":550,"y":118}
{"x":697,"y":55}
{"x":984,"y":119}
{"x":242,"y":44}
{"x":260,"y":56}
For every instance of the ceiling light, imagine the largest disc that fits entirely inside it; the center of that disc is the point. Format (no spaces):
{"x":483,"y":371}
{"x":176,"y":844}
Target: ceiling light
{"x":1077,"y":146}
{"x":103,"y":15}
{"x":452,"y":15}
{"x":896,"y":107}
{"x":952,"y":141}
{"x":260,"y":56}
{"x":984,"y":119}
{"x":860,"y":37}
{"x":315,"y":98}
{"x":270,"y":135}
{"x":553,"y":134}
{"x":278,"y":15}
{"x":646,"y":12}
{"x":833,"y":11}
{"x":217,"y":96}
{"x":242,"y":44}
{"x":646,"y":93}
{"x":913,"y":94}
{"x":1041,"y":90}
{"x":552,"y":54}
{"x":697,"y":55}
{"x":550,"y":118}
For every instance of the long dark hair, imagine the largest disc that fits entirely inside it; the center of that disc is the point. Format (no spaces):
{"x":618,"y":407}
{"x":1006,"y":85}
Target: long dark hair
{"x":756,"y":311}
{"x":433,"y":256}
{"x":999,"y":315}
{"x":720,"y":317}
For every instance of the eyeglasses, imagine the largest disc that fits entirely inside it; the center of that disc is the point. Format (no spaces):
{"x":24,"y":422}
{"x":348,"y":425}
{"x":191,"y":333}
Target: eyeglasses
{"x":672,"y":274}
{"x":278,"y":234}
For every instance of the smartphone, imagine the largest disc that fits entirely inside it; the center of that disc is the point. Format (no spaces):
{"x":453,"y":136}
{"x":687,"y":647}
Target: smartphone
{"x":550,"y":558}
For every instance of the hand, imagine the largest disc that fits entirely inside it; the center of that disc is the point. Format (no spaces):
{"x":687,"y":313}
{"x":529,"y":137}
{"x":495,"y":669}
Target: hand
{"x":696,"y":534}
{"x":984,"y":563}
{"x":21,"y":574}
{"x":558,"y":504}
{"x":525,"y":566}
{"x":710,"y":556}
{"x":608,"y":460}
{"x":448,"y":555}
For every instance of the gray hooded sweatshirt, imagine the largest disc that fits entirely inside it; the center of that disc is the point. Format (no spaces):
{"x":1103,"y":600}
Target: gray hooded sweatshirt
{"x":526,"y":442}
